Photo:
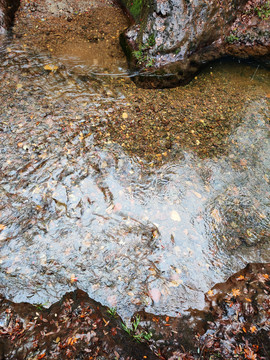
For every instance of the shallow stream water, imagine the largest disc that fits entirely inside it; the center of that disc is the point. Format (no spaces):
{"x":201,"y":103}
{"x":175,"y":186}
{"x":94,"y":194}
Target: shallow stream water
{"x":84,"y":204}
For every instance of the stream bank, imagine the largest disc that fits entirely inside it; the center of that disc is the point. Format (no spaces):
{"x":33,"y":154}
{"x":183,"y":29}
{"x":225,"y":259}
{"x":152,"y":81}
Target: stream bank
{"x":234,"y":324}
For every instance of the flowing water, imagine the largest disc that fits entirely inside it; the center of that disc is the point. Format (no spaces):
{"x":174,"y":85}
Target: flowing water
{"x":89,"y":197}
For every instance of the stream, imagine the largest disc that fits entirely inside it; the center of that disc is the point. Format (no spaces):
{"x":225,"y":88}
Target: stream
{"x":143,"y":198}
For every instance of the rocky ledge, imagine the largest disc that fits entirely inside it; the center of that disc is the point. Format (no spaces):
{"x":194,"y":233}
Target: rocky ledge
{"x":172,"y":39}
{"x":234,"y":324}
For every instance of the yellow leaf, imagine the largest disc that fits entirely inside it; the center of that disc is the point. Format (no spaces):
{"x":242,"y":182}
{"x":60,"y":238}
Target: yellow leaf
{"x":216,"y":216}
{"x":235,"y":292}
{"x":175,"y":216}
{"x":253,"y":329}
{"x":210,"y":293}
{"x":175,"y":283}
{"x":73,"y":278}
{"x":197,"y":194}
{"x":124,"y":115}
{"x":2,"y":226}
{"x":249,"y":233}
{"x":19,"y":86}
{"x":50,"y":67}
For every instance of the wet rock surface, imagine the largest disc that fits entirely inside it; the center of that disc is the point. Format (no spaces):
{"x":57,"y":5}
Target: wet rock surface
{"x":234,"y":324}
{"x":172,"y":40}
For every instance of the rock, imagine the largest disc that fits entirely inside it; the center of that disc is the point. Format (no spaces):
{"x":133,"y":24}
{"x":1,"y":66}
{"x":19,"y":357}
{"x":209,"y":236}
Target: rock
{"x":173,"y":39}
{"x":7,"y":13}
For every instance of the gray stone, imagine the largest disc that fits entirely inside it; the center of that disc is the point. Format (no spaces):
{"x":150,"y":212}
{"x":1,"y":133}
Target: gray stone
{"x":173,"y":39}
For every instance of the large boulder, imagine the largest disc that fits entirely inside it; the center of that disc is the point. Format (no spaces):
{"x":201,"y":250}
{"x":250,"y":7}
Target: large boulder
{"x":172,"y":39}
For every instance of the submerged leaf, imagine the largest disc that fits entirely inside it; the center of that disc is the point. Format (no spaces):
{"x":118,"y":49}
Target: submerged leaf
{"x":50,"y":67}
{"x":175,"y":216}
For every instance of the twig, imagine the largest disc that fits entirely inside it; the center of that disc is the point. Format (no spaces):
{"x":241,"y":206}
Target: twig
{"x":255,"y":72}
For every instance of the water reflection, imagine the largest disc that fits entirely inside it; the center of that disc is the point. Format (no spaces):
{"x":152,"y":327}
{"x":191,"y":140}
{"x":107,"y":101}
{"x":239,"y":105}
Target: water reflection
{"x":77,"y":212}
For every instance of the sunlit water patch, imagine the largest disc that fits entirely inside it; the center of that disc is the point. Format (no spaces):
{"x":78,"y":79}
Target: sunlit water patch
{"x":75,"y":212}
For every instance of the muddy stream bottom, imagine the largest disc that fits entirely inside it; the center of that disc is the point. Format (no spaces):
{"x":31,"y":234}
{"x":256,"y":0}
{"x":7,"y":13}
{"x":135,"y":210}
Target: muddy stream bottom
{"x":143,"y":198}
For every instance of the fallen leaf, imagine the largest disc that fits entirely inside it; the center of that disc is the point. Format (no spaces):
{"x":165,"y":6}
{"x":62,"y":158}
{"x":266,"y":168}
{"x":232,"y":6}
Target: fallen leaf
{"x":249,"y":233}
{"x":50,"y":67}
{"x":41,"y":356}
{"x":253,"y":329}
{"x":73,"y":278}
{"x":175,"y":216}
{"x":235,"y":292}
{"x":249,"y":354}
{"x":197,"y":194}
{"x":113,"y":331}
{"x":241,"y":277}
{"x":175,"y":283}
{"x":243,"y":162}
{"x":124,"y":115}
{"x":216,"y":216}
{"x":2,"y":226}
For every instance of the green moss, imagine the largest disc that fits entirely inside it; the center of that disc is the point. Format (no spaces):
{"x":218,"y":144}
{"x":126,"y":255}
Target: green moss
{"x":139,"y":56}
{"x":232,"y":38}
{"x":263,"y":11}
{"x":142,"y":56}
{"x":135,"y":8}
{"x":151,"y":40}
